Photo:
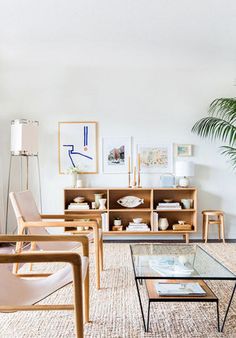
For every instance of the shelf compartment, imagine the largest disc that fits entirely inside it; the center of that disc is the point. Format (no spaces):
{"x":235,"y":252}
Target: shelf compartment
{"x":127,"y":217}
{"x":173,"y":218}
{"x":173,"y":194}
{"x":115,"y":195}
{"x":70,"y":194}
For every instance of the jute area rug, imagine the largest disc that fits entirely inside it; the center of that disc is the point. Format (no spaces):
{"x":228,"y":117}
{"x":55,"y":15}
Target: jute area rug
{"x":115,"y":309}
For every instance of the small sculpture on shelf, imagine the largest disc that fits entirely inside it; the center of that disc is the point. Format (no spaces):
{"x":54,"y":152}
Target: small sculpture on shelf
{"x":130,"y":201}
{"x":117,"y":224}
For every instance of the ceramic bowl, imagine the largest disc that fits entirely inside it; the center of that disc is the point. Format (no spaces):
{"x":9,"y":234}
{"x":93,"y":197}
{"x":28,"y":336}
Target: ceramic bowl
{"x":79,"y":199}
{"x":137,"y":220}
{"x":167,"y":200}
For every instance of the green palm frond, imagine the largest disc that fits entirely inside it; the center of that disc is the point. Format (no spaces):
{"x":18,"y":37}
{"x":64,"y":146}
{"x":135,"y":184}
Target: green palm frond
{"x":215,"y":128}
{"x":224,"y":108}
{"x":231,"y":153}
{"x":220,"y":124}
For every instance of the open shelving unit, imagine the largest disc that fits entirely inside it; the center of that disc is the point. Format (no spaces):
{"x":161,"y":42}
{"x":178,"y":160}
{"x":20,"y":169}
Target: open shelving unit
{"x":151,"y":197}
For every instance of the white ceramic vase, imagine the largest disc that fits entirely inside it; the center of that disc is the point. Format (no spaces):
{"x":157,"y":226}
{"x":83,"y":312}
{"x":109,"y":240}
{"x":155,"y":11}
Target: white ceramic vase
{"x":79,"y":182}
{"x":97,"y":197}
{"x":163,"y":223}
{"x":102,"y":203}
{"x":74,"y":180}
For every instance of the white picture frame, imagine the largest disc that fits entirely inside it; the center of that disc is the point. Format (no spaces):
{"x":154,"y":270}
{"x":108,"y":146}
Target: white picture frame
{"x":117,"y":157}
{"x":77,"y":146}
{"x":155,"y":158}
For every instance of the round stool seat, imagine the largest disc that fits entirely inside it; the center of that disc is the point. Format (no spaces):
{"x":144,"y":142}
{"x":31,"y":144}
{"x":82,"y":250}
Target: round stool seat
{"x":212,"y":212}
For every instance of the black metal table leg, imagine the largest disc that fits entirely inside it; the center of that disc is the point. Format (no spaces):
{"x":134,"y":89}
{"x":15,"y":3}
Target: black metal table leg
{"x":148,"y":316}
{"x":231,"y":298}
{"x":218,"y":315}
{"x":140,"y":303}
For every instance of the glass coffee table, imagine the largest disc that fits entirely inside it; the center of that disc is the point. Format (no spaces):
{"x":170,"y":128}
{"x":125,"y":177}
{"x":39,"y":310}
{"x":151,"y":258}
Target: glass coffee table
{"x":159,"y":265}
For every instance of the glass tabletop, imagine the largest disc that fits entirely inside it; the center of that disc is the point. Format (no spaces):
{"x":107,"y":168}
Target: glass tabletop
{"x":176,"y":261}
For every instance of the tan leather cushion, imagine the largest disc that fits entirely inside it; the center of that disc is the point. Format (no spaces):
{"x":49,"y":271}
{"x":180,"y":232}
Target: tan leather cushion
{"x":24,"y":206}
{"x":22,"y":291}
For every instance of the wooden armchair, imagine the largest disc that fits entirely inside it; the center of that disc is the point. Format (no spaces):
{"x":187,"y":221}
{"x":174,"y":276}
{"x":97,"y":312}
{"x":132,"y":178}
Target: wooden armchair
{"x":21,"y":294}
{"x":29,"y":218}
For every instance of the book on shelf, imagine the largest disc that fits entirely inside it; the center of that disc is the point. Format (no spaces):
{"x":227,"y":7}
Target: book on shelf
{"x":141,"y":228}
{"x":155,"y":221}
{"x":180,"y":289}
{"x":168,"y":208}
{"x":105,"y":223}
{"x":78,"y":203}
{"x":137,"y":224}
{"x":137,"y":227}
{"x":170,"y":204}
{"x":78,"y":206}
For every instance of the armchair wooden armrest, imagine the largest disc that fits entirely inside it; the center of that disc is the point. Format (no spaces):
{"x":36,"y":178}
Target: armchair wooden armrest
{"x":48,"y":238}
{"x":93,"y":217}
{"x":66,"y":224}
{"x":52,"y":216}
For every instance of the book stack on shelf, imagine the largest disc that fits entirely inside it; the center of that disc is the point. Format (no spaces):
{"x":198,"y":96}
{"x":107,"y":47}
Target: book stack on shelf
{"x":137,"y":227}
{"x":78,"y":206}
{"x":168,"y":206}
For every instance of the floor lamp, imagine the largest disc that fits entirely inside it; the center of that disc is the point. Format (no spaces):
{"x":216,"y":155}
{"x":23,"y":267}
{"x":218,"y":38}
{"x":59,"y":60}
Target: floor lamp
{"x":24,"y":146}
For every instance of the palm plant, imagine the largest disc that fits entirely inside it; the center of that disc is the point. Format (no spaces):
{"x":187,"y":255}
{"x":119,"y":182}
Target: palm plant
{"x":220,"y":124}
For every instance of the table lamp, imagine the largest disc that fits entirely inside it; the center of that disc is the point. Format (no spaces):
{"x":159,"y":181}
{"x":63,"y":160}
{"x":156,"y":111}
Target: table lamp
{"x":184,"y":170}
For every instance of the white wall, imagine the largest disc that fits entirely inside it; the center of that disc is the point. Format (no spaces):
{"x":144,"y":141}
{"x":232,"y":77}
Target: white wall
{"x":142,"y":69}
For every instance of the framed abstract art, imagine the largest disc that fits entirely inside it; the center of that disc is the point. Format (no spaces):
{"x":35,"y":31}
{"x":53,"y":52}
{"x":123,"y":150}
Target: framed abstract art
{"x":77,"y":146}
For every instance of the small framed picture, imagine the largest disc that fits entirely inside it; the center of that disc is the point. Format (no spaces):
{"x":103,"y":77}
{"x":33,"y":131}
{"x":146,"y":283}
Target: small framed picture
{"x":116,"y":155}
{"x":183,"y":150}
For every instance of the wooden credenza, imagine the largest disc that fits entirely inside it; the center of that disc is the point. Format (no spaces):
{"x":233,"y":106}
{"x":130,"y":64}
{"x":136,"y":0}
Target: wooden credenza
{"x":151,"y":196}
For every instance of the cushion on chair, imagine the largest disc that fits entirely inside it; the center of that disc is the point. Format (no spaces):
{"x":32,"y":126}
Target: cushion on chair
{"x":24,"y":206}
{"x":20,"y":291}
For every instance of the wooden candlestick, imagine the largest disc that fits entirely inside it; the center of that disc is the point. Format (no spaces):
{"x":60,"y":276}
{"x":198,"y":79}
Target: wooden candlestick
{"x":129,"y":172}
{"x":139,"y":169}
{"x":134,"y":181}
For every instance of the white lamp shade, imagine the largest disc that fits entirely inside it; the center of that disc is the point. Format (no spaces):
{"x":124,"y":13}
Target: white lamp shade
{"x":184,"y":168}
{"x":24,"y":137}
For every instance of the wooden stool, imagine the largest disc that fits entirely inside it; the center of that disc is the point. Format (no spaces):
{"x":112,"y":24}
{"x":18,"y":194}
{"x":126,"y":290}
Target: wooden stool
{"x":218,"y":219}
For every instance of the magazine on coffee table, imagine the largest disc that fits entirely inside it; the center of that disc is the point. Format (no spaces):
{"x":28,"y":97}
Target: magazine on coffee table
{"x":179,"y":289}
{"x":167,"y":266}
